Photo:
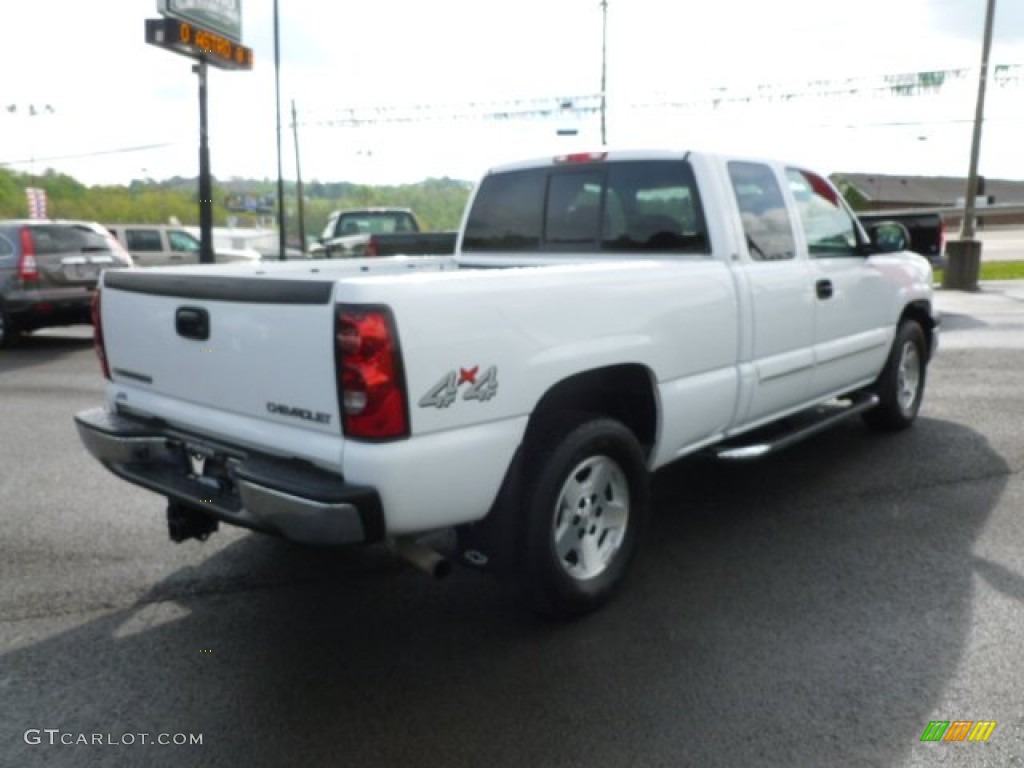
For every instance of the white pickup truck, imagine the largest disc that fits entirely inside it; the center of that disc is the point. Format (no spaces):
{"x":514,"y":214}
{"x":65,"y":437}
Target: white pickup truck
{"x":604,"y":314}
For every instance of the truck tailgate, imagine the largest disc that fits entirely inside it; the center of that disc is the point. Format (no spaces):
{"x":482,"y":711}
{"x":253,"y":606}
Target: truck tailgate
{"x":226,"y":342}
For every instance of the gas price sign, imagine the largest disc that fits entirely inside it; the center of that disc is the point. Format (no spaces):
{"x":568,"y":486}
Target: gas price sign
{"x":189,"y":40}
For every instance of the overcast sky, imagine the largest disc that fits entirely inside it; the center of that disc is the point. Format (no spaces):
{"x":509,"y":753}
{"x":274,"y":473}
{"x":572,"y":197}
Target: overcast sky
{"x":109,"y":92}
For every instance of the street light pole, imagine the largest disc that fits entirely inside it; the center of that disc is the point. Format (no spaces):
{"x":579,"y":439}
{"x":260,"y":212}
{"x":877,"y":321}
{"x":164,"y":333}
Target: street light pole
{"x":963,"y":256}
{"x":277,"y":107}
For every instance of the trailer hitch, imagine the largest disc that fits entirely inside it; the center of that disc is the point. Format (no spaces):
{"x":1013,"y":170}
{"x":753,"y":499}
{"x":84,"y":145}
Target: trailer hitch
{"x":185,"y":522}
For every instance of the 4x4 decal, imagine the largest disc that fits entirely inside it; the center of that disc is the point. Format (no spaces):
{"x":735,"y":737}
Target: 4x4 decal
{"x":481,"y":387}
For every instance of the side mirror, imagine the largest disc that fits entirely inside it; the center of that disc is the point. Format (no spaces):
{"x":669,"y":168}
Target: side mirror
{"x":889,"y":236}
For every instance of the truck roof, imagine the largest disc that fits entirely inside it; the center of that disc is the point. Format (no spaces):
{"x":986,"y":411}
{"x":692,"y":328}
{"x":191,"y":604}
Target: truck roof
{"x":591,"y":156}
{"x":376,"y":209}
{"x":627,"y":153}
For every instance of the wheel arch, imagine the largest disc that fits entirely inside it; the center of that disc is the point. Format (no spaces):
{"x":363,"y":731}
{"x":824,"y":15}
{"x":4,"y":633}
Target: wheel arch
{"x":920,"y":312}
{"x":626,"y":393}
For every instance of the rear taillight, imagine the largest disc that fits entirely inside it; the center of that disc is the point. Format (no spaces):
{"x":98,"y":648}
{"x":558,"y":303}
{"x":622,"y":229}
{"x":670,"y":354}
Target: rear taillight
{"x":27,"y":267}
{"x":371,"y":382}
{"x":97,"y":334}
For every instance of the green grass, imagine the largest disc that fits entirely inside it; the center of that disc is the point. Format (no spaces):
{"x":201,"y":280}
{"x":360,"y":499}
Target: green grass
{"x":995,"y":270}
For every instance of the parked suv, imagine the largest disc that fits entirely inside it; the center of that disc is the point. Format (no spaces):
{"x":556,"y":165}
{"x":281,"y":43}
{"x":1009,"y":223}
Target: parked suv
{"x":157,"y":245}
{"x":48,"y":272}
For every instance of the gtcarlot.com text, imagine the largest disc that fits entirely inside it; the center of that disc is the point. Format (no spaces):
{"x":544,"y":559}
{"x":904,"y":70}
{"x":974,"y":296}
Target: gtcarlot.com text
{"x":56,"y":737}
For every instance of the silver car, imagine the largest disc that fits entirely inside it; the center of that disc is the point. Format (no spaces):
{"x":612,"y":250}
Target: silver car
{"x":48,"y":272}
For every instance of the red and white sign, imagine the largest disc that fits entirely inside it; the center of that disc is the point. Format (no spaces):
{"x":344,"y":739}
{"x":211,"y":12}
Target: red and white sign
{"x":36,"y":202}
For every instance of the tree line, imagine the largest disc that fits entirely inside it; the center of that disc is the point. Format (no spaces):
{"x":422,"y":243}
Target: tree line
{"x":438,"y":203}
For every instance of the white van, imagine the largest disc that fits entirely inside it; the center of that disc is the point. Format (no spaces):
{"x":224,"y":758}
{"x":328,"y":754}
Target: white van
{"x":154,"y":245}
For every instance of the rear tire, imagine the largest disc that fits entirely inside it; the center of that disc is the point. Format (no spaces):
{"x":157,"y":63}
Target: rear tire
{"x":8,"y":331}
{"x":900,"y":387}
{"x":586,"y":500}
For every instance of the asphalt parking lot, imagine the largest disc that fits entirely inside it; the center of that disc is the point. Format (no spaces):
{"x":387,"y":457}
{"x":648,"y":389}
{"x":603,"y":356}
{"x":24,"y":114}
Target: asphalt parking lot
{"x":820,"y":607}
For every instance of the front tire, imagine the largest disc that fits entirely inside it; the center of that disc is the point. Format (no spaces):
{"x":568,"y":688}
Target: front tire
{"x":900,"y":387}
{"x":586,"y":501}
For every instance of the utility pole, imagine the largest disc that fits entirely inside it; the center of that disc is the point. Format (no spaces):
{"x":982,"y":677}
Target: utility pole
{"x":277,"y":108}
{"x":298,"y":183}
{"x":604,"y":70}
{"x":964,"y":255}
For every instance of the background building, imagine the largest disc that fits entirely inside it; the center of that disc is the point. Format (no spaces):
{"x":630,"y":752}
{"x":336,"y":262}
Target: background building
{"x":879,"y":192}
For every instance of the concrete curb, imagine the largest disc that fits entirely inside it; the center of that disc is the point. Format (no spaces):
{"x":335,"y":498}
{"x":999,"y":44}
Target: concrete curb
{"x":992,"y":316}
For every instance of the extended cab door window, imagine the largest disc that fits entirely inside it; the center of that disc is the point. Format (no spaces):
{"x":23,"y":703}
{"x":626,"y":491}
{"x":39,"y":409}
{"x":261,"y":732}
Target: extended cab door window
{"x":829,"y":228}
{"x":766,"y":222}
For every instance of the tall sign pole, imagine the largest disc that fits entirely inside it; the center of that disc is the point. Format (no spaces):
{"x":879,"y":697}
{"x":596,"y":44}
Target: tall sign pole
{"x":277,"y":107}
{"x":209,"y":32}
{"x":205,"y":179}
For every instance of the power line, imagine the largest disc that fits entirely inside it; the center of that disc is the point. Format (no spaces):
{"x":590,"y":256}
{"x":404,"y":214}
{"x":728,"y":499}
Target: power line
{"x":542,"y":107}
{"x":895,"y":85}
{"x":99,"y":153}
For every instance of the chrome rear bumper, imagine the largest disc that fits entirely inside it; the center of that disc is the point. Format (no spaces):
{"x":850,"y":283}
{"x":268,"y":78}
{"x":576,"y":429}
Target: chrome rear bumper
{"x":287,"y":497}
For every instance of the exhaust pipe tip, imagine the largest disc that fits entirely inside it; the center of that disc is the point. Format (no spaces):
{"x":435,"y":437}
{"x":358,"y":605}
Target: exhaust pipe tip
{"x":423,"y":558}
{"x":443,"y":569}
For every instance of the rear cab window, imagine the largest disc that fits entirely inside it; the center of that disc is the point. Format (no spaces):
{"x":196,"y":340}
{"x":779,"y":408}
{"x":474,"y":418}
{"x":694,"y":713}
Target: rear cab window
{"x":374,"y":223}
{"x":640,"y":206}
